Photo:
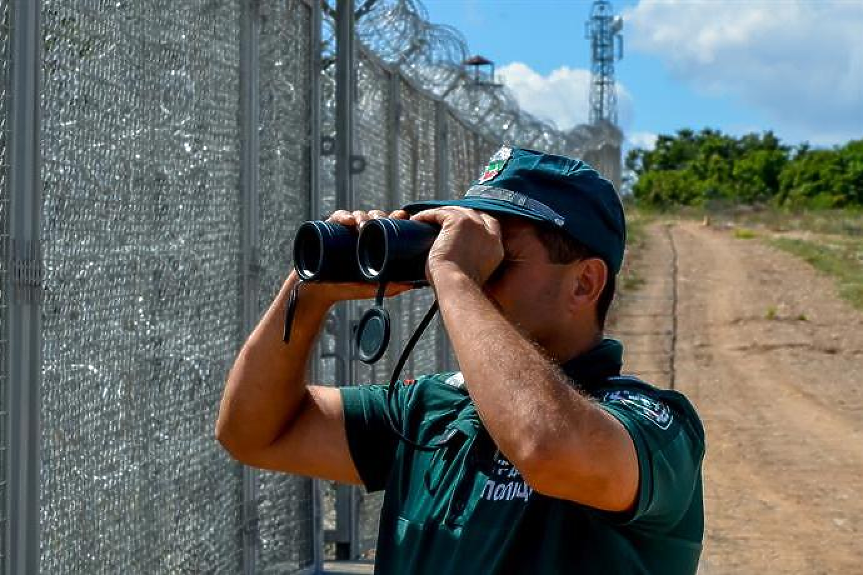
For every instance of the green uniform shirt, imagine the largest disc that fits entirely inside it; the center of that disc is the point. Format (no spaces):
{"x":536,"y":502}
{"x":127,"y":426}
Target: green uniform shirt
{"x":464,"y":508}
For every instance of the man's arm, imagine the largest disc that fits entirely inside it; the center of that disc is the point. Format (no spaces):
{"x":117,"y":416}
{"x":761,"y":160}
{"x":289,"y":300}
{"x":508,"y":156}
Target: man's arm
{"x":269,"y":417}
{"x":564,"y":445}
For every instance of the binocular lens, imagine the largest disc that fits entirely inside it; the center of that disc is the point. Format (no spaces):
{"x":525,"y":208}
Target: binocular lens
{"x":326,"y":251}
{"x":394,"y":250}
{"x":372,"y":254}
{"x":308,"y":252}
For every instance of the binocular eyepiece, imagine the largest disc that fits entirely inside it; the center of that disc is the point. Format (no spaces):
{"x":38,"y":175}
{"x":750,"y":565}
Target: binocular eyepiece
{"x":386,"y":250}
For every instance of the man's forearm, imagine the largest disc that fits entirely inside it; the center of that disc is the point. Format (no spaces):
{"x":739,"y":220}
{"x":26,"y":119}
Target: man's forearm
{"x":521,"y":396}
{"x":267,"y":385}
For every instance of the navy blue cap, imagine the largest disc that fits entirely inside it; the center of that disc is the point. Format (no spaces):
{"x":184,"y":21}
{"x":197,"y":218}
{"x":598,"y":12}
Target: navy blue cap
{"x":566,"y":193}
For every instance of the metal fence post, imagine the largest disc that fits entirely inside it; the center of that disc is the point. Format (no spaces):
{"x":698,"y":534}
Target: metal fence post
{"x":441,"y":192}
{"x":346,"y":495}
{"x":345,"y":90}
{"x":314,"y":204}
{"x":25,"y":326}
{"x":249,"y":179}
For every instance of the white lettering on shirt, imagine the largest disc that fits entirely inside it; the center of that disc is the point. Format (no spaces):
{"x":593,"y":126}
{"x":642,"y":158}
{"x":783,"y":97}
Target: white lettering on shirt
{"x":505,"y":483}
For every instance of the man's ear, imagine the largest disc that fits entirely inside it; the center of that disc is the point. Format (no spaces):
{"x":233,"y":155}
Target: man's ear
{"x":591,"y":274}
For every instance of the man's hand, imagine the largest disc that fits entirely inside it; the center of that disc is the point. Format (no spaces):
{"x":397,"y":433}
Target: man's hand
{"x":328,"y":293}
{"x":469,"y":242}
{"x":269,"y":417}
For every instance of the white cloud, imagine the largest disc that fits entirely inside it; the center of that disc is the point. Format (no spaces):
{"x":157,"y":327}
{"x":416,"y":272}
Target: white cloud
{"x":800,"y":61}
{"x":561,"y":97}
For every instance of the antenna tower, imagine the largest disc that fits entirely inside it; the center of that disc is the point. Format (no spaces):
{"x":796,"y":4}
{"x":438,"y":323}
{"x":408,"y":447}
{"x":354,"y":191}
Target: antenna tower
{"x":605,"y":32}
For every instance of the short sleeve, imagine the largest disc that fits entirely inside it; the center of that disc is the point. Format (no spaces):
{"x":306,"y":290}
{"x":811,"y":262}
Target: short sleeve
{"x":669,"y":441}
{"x":371,"y":440}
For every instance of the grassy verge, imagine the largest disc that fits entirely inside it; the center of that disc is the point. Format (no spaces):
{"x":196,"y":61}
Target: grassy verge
{"x":845,"y":222}
{"x":841,"y":259}
{"x":835,"y":222}
{"x":744,"y":234}
{"x":830,"y":240}
{"x":636,"y":236}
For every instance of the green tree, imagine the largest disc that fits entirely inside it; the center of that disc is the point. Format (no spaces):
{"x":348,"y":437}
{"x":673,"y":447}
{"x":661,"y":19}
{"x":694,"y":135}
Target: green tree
{"x":756,"y":175}
{"x":667,"y":188}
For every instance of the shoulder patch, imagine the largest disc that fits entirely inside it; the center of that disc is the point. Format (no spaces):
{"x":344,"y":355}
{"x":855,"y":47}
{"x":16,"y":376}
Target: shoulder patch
{"x":655,"y":411}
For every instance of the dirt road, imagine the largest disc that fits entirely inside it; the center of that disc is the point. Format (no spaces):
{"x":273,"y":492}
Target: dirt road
{"x":773,"y":360}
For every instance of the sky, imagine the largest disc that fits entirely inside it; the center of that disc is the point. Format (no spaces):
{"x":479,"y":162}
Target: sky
{"x":791,"y":66}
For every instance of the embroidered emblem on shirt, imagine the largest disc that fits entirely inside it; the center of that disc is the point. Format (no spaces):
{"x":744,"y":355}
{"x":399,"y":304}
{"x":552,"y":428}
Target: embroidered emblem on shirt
{"x":651,"y":409}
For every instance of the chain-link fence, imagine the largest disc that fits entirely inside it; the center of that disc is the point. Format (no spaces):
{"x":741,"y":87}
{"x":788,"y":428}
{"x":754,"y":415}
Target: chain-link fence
{"x":141,"y":242}
{"x":285,"y":526}
{"x":181,"y":145}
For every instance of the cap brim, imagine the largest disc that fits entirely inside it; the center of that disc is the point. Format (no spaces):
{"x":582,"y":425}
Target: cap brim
{"x":493,"y":207}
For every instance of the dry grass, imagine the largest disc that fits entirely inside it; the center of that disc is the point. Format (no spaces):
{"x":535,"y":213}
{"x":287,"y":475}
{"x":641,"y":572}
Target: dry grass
{"x":830,"y":240}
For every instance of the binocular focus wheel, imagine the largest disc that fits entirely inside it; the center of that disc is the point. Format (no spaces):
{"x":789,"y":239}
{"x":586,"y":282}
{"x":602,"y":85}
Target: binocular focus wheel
{"x":373,"y":335}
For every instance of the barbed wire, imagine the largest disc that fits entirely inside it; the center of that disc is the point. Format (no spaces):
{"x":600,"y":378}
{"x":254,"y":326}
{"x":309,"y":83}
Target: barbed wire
{"x":433,"y":55}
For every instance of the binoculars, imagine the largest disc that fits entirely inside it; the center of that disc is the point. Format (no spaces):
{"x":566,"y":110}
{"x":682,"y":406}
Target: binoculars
{"x":386,"y":250}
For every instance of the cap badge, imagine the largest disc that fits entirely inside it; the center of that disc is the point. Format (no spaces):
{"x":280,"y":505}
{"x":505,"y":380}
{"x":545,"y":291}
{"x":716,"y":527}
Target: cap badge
{"x":496,"y":164}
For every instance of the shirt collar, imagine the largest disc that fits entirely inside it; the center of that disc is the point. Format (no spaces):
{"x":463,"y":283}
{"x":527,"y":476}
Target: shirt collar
{"x":601,"y":362}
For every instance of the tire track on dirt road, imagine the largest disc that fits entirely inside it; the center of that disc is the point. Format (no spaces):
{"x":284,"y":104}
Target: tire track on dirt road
{"x":780,"y":397}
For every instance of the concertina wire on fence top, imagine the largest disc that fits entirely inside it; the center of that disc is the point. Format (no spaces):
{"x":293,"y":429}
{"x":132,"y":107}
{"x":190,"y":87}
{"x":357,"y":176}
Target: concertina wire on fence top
{"x":141,"y":224}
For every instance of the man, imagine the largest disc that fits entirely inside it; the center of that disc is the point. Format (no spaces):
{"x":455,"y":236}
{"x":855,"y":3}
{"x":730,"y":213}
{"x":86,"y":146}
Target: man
{"x":542,"y":458}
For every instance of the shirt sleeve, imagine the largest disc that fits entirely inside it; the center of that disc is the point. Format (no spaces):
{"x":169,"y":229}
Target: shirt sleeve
{"x":670,"y":447}
{"x":371,"y":440}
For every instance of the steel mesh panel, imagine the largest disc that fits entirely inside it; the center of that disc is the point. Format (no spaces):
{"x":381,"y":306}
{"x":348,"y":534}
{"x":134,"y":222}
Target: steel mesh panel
{"x":327,"y":181}
{"x":369,"y":521}
{"x":417,"y":150}
{"x":141,"y":235}
{"x":285,"y":520}
{"x":417,"y":182}
{"x":371,"y":185}
{"x":462,"y":162}
{"x":5,"y":19}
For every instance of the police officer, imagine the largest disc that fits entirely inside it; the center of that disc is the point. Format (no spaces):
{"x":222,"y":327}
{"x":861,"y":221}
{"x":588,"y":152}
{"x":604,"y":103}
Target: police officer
{"x":542,"y":457}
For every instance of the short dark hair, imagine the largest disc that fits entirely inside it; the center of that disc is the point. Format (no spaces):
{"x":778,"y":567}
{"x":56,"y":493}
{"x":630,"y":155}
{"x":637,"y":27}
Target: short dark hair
{"x":564,"y":249}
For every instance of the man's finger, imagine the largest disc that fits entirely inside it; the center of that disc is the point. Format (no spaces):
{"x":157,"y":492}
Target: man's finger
{"x":360,"y":217}
{"x":342,"y":217}
{"x":434,"y":215}
{"x":426,"y":216}
{"x":491,"y":223}
{"x":400,"y":215}
{"x":376,"y":214}
{"x":439,"y":215}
